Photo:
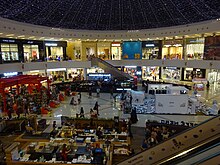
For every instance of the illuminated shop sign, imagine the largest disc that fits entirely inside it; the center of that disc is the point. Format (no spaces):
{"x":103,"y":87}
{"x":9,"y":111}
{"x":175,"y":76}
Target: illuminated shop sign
{"x":116,"y":45}
{"x":8,"y":40}
{"x":30,"y":42}
{"x":195,"y":41}
{"x":99,"y":75}
{"x":150,"y":45}
{"x":50,"y":44}
{"x":10,"y":74}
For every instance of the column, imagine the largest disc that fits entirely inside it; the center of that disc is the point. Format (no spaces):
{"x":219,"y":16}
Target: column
{"x":85,"y":73}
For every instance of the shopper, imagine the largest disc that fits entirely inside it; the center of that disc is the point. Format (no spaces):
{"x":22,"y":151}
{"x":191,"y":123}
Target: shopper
{"x":65,"y":152}
{"x":82,"y":113}
{"x":79,"y":97}
{"x":98,"y":91}
{"x":96,"y":107}
{"x":207,"y":85}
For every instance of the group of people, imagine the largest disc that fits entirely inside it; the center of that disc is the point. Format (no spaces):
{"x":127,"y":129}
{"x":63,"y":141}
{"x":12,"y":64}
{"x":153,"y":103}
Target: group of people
{"x":154,"y":135}
{"x":94,"y":112}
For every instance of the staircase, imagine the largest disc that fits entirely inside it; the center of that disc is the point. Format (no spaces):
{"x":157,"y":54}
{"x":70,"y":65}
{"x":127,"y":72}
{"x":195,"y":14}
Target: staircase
{"x":178,"y":145}
{"x":108,"y":68}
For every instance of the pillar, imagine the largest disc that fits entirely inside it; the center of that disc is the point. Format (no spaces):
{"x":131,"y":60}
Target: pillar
{"x":85,"y":73}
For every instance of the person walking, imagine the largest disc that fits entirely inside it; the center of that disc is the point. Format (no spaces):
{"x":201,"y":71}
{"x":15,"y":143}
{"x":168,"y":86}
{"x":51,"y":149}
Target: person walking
{"x":82,"y":113}
{"x":96,"y":107}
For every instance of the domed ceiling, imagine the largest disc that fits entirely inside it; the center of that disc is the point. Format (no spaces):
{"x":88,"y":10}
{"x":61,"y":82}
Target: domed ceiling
{"x":110,"y":14}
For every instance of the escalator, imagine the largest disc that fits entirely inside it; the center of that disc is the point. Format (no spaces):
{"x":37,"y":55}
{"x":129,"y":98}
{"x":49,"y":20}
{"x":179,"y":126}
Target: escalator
{"x":186,"y":145}
{"x":196,"y":155}
{"x":108,"y":68}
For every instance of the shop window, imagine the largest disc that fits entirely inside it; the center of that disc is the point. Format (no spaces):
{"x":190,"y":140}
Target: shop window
{"x":9,"y":52}
{"x":31,"y":53}
{"x":171,"y":73}
{"x":54,"y":53}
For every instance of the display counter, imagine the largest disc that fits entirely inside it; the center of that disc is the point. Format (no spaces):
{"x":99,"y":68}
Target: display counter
{"x":120,"y":152}
{"x":51,"y":153}
{"x":85,"y":146}
{"x":81,"y":123}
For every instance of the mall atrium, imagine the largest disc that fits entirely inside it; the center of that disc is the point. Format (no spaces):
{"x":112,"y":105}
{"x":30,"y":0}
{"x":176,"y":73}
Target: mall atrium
{"x":128,"y":82}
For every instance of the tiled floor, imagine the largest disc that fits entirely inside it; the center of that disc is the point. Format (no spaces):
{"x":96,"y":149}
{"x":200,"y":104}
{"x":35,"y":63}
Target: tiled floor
{"x":109,"y":109}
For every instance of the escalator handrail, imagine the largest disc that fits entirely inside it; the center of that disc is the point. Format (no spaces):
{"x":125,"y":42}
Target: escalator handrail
{"x":173,"y":137}
{"x":196,"y":147}
{"x":111,"y":66}
{"x":207,"y":158}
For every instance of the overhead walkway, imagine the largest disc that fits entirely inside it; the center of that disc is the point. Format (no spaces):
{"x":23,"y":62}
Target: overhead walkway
{"x":108,"y":68}
{"x":206,"y":133}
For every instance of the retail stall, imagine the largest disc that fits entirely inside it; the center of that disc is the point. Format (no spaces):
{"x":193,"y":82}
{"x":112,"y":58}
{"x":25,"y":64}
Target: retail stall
{"x":8,"y":84}
{"x":90,"y":145}
{"x":199,"y":84}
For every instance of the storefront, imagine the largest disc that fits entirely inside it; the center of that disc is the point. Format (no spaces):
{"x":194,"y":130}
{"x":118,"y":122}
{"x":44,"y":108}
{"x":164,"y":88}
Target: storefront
{"x":131,"y":50}
{"x":75,"y":74}
{"x":33,"y":50}
{"x":151,"y":50}
{"x":194,"y":49}
{"x":191,"y":73}
{"x":95,"y":70}
{"x":58,"y":74}
{"x":116,"y":51}
{"x":133,"y":71}
{"x":150,"y":73}
{"x":171,"y":73}
{"x":55,"y":50}
{"x":104,"y":50}
{"x":213,"y":75}
{"x":172,"y":49}
{"x":212,"y":48}
{"x":10,"y":51}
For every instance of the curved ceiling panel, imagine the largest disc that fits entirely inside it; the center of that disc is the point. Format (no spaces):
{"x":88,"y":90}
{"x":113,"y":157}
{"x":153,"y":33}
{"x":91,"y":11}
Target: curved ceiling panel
{"x":110,"y":14}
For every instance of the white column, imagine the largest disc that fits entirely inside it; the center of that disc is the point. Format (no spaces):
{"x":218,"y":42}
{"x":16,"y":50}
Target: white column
{"x":85,"y":73}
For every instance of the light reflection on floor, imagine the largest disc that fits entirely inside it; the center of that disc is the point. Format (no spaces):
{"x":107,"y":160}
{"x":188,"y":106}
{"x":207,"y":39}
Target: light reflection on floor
{"x":108,"y":108}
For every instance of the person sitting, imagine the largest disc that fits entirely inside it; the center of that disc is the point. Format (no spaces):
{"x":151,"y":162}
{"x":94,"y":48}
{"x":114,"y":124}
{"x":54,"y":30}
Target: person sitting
{"x":99,"y":133}
{"x":64,"y":152}
{"x":144,"y":145}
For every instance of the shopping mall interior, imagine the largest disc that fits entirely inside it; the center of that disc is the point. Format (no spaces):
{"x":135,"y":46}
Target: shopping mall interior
{"x":109,"y":82}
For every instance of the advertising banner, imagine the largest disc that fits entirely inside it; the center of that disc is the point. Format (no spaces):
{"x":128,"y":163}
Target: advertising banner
{"x":132,"y":50}
{"x":212,"y":48}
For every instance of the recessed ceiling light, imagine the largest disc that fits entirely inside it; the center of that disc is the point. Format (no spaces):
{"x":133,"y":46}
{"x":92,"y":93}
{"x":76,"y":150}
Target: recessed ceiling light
{"x":1,"y":33}
{"x":22,"y":36}
{"x":9,"y":35}
{"x":32,"y":37}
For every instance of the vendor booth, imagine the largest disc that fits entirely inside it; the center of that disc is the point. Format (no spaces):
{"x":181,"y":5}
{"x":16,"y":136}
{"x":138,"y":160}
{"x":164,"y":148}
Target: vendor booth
{"x":199,"y":84}
{"x":174,"y":102}
{"x":34,"y":84}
